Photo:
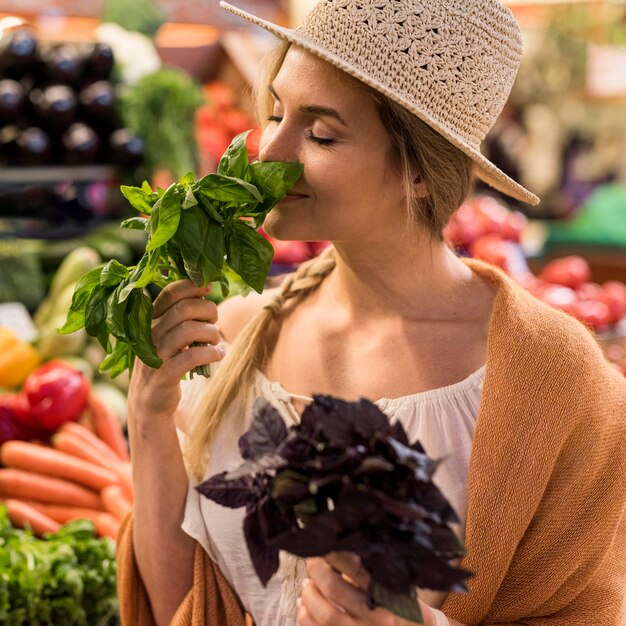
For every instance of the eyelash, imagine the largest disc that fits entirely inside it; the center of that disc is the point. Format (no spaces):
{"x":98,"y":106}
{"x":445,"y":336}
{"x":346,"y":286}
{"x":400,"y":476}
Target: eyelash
{"x":318,"y":140}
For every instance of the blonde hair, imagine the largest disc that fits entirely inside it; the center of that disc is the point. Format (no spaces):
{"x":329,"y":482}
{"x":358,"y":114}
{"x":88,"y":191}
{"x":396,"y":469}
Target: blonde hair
{"x":417,"y":150}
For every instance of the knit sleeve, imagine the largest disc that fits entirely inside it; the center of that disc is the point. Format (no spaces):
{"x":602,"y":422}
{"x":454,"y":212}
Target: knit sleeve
{"x":210,"y":602}
{"x":570,"y":567}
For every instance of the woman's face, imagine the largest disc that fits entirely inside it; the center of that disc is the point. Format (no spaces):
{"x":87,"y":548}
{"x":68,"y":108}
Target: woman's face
{"x":349,"y":190}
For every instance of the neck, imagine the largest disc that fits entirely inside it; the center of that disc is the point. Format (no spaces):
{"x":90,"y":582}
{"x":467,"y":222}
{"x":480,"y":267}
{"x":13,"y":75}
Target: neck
{"x":417,"y":278}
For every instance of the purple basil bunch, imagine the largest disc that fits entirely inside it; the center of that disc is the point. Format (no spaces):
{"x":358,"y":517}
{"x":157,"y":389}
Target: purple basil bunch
{"x":344,"y":479}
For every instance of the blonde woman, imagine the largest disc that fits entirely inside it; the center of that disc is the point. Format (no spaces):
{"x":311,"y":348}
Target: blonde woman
{"x":385,"y":102}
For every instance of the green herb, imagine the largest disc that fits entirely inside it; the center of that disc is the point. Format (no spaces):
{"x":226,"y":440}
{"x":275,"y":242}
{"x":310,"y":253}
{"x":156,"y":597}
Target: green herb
{"x":161,"y":109}
{"x":66,"y":579}
{"x":204,"y":230}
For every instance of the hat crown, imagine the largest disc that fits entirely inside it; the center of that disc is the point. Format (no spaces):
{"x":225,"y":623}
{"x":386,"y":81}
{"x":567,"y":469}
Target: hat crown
{"x":453,"y":60}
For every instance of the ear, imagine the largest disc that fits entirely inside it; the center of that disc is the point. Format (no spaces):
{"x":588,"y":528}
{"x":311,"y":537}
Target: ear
{"x":420,"y":188}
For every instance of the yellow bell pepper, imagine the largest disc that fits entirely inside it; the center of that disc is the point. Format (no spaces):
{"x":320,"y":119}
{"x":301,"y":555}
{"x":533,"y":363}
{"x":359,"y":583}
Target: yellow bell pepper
{"x":17,"y":359}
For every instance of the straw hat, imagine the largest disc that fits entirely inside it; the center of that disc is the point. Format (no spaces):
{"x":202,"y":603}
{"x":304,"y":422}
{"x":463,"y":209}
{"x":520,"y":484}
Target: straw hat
{"x":450,"y":62}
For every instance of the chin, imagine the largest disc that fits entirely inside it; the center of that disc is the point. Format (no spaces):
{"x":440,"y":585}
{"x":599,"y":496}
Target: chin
{"x":286,"y":228}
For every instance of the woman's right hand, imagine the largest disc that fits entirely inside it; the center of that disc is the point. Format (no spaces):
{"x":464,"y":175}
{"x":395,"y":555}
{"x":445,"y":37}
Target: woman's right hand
{"x":181,"y":317}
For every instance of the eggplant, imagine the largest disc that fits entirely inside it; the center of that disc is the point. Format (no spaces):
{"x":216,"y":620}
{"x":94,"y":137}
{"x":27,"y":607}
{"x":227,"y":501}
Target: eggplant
{"x":125,"y":148}
{"x":55,"y":106}
{"x":98,"y":103}
{"x":63,"y":63}
{"x":18,"y":53}
{"x":33,"y":146}
{"x":81,"y":144}
{"x":100,"y":62}
{"x":12,"y":99}
{"x":8,"y":136}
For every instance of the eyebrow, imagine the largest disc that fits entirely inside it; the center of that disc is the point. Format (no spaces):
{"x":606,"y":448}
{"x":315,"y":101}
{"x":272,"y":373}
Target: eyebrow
{"x":314,"y":109}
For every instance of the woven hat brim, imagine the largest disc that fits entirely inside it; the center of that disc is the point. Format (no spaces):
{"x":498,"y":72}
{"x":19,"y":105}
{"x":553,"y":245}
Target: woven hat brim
{"x":483,"y":167}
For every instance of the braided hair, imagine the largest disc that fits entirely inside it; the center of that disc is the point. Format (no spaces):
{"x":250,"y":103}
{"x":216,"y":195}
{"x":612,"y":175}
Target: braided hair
{"x":232,"y":381}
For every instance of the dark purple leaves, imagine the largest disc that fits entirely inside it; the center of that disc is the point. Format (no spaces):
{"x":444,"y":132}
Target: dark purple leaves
{"x":344,"y":479}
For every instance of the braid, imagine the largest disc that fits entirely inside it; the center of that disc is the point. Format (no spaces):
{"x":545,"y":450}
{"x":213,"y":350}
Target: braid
{"x":232,"y":380}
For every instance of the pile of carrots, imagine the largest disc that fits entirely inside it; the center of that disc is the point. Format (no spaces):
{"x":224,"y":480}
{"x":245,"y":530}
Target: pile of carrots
{"x":84,"y":474}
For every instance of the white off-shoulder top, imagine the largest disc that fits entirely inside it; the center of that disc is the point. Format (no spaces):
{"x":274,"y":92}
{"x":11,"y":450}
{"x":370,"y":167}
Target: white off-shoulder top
{"x":443,"y":420}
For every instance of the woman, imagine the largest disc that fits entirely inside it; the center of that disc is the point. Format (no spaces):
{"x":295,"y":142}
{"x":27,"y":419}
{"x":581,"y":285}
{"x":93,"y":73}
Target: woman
{"x":385,"y":102}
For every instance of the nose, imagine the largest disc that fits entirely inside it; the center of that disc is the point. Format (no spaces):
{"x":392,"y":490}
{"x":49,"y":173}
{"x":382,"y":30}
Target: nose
{"x":277,"y":144}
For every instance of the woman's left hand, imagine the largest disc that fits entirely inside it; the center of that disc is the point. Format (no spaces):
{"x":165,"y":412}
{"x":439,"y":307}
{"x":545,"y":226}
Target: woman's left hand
{"x":335,"y":594}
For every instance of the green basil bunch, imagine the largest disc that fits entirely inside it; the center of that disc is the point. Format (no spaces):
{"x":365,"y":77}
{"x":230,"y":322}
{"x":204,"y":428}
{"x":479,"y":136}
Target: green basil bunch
{"x":204,"y":230}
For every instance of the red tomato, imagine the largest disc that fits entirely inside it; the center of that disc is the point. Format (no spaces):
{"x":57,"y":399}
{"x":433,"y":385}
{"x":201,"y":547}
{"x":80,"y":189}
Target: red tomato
{"x":514,"y":226}
{"x":593,"y":313}
{"x":253,"y":143}
{"x":571,"y":271}
{"x":317,"y":247}
{"x":589,"y":291}
{"x":236,"y":121}
{"x":220,"y":95}
{"x":562,"y":298}
{"x":288,"y":252}
{"x":613,"y":294}
{"x":491,"y":214}
{"x":213,"y":139}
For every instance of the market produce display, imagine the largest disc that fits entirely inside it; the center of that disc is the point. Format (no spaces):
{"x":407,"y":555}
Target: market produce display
{"x":204,"y":230}
{"x":485,"y":229}
{"x":59,"y":105}
{"x":66,"y":577}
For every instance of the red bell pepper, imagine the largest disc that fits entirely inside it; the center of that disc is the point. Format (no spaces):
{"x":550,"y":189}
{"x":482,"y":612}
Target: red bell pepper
{"x":11,"y":427}
{"x":54,"y":393}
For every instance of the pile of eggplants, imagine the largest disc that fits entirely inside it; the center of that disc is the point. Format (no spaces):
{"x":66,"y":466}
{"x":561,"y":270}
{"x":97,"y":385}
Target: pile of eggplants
{"x":58,"y":105}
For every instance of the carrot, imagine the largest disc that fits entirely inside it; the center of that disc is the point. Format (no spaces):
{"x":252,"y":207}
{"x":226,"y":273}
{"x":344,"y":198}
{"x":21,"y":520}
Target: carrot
{"x":26,"y":456}
{"x":107,"y":525}
{"x":107,"y":426}
{"x":90,"y":438}
{"x":71,"y":443}
{"x":124,"y":473}
{"x":16,"y":483}
{"x":63,"y":514}
{"x":115,"y":502}
{"x":22,"y":514}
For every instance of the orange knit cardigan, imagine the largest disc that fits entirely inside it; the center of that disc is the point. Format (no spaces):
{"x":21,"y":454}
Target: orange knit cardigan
{"x":546,"y":521}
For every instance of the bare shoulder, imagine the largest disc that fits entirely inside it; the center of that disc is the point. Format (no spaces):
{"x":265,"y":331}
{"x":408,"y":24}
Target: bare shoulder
{"x":236,"y":312}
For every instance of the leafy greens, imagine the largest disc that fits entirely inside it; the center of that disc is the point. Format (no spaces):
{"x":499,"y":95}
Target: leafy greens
{"x":204,"y":230}
{"x":66,"y":579}
{"x":344,"y":479}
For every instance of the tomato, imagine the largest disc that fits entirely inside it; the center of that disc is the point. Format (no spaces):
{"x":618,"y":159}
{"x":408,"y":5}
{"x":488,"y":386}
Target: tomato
{"x":288,"y":252}
{"x":613,"y":294}
{"x":514,"y":226}
{"x":562,"y":298}
{"x":589,"y":291}
{"x":571,"y":271}
{"x":220,"y":95}
{"x":593,"y":313}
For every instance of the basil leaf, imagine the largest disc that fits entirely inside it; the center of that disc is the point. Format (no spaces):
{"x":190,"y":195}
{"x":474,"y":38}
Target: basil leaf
{"x":192,"y":234}
{"x":134,"y":223}
{"x":116,"y":313}
{"x":138,"y":198}
{"x":187,"y":179}
{"x":113,"y":274}
{"x":168,"y":208}
{"x":190,"y":200}
{"x":96,"y":311}
{"x":211,"y":210}
{"x":145,"y":186}
{"x":82,"y":292}
{"x":150,"y":272}
{"x":229,"y":189}
{"x":139,"y":329}
{"x":235,"y":160}
{"x":274,"y":180}
{"x":120,"y":359}
{"x":249,"y":254}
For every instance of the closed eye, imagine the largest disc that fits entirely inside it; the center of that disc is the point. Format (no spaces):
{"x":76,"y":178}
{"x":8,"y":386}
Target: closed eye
{"x":321,"y":141}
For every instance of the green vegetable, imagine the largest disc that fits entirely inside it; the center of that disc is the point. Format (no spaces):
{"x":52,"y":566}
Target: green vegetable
{"x":66,"y":579}
{"x":161,"y":110}
{"x":204,"y":230}
{"x":143,"y":16}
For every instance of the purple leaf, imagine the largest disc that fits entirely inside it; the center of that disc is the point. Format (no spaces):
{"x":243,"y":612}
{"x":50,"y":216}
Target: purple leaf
{"x":229,"y":493}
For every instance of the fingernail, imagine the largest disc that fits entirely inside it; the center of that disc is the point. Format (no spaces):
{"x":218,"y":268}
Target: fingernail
{"x":221,"y":350}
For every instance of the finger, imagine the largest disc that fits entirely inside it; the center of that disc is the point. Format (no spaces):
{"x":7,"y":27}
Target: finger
{"x":197,"y":309}
{"x":174,"y":292}
{"x":189,"y":359}
{"x":320,"y":610}
{"x":349,"y":564}
{"x":337,"y":589}
{"x":185,"y":334}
